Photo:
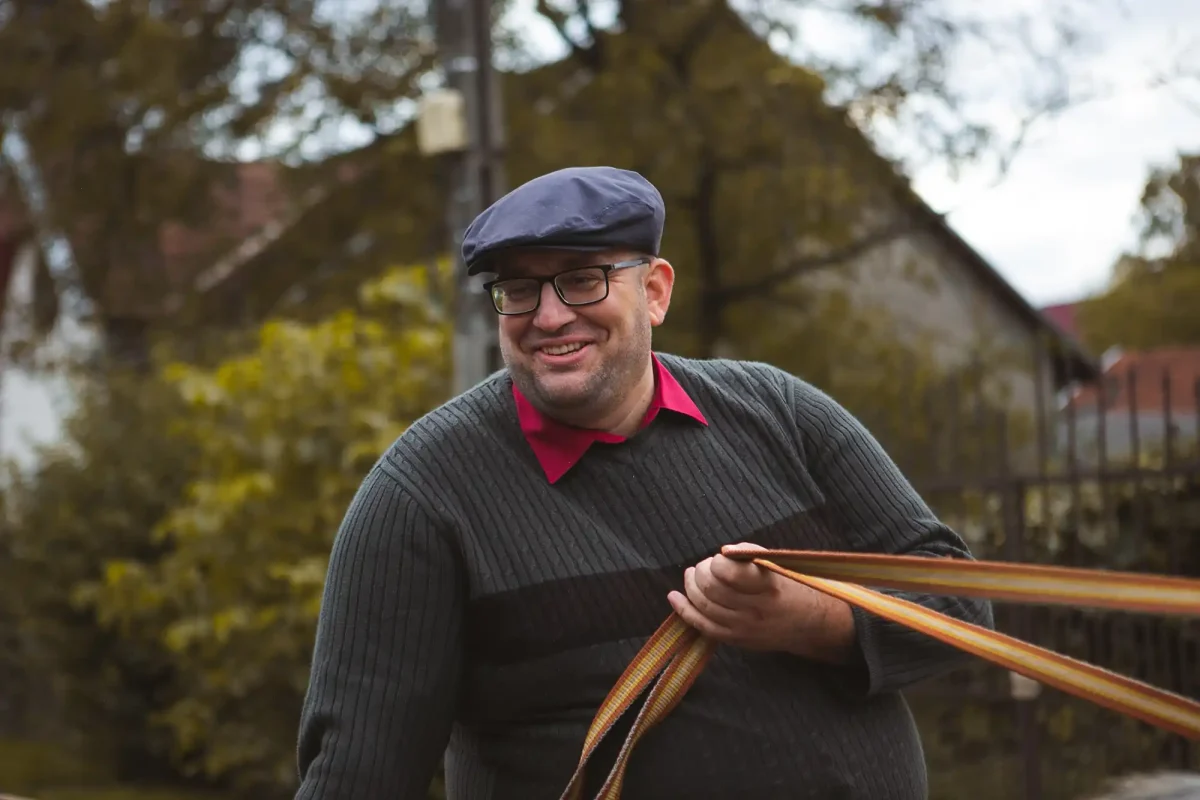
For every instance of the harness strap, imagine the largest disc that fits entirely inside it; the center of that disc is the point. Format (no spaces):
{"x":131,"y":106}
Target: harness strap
{"x":675,"y":655}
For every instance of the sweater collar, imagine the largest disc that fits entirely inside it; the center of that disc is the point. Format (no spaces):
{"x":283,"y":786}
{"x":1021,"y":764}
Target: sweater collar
{"x":559,"y":447}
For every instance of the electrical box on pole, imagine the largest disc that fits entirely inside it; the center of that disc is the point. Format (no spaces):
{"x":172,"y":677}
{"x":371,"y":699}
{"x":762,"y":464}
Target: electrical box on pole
{"x":442,"y":123}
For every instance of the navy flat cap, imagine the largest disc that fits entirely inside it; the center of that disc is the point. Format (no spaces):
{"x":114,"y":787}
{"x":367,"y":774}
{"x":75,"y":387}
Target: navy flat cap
{"x":579,"y":208}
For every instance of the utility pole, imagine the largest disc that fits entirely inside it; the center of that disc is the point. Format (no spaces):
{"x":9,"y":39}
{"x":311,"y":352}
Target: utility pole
{"x":464,"y":34}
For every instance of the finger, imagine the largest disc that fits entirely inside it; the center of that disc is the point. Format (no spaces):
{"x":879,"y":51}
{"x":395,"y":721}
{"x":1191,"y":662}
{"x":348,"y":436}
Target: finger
{"x":705,"y":603}
{"x":693,"y":617}
{"x":720,"y":592}
{"x":742,"y":577}
{"x":723,"y":593}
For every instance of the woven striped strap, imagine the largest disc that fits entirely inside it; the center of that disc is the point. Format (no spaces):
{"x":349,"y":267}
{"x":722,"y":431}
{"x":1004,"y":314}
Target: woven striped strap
{"x":676,"y":653}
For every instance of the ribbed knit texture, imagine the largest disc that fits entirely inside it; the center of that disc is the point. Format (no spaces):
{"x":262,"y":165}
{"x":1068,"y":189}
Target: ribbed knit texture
{"x":473,"y":608}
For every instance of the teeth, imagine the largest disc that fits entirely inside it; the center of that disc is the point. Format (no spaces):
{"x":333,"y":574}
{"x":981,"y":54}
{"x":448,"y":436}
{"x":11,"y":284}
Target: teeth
{"x":562,"y":349}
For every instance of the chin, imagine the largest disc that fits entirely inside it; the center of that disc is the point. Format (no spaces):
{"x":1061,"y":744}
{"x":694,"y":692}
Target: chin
{"x":569,"y":393}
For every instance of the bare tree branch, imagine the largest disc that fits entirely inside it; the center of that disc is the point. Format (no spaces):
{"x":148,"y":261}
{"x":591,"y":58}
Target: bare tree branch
{"x":807,"y":264}
{"x":587,"y":52}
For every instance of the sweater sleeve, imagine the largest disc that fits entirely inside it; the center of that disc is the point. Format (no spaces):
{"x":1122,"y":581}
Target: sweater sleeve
{"x":871,"y":507}
{"x":388,"y":653}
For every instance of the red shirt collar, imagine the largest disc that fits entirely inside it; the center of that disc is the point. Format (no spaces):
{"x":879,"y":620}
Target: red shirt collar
{"x":559,"y":447}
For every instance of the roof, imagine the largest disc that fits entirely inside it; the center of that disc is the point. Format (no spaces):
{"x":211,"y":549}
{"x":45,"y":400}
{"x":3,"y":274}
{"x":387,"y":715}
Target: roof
{"x":249,"y":201}
{"x":1063,"y":317}
{"x":1148,"y":381}
{"x":245,"y":201}
{"x":1072,"y":361}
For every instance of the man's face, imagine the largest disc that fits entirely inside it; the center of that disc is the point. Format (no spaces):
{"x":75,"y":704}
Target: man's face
{"x":579,"y":362}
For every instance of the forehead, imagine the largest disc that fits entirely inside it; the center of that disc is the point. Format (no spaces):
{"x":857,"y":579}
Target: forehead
{"x":546,"y":261}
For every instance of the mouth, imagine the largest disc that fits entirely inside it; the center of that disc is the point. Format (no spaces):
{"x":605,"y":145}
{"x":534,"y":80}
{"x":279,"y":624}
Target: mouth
{"x":563,"y":354}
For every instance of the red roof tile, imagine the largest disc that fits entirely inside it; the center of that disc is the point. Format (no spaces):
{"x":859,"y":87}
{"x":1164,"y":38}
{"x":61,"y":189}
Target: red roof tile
{"x":1147,"y":381}
{"x":252,"y":200}
{"x":1063,"y":317}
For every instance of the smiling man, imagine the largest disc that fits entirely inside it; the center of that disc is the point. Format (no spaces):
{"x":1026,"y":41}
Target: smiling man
{"x":510,"y":553}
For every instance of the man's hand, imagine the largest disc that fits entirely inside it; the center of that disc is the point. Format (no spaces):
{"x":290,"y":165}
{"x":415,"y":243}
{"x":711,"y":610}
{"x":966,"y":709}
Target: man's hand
{"x":742,"y":604}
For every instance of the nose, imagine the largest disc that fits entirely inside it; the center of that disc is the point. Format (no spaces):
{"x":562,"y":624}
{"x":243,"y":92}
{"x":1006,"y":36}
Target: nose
{"x":552,"y":313}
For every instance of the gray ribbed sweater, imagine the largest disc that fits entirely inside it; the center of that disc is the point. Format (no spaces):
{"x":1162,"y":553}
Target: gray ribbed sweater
{"x":473,"y":608}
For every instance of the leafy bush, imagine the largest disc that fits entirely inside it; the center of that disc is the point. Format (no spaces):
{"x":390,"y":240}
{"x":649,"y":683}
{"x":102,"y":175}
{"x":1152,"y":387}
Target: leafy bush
{"x":178,"y":537}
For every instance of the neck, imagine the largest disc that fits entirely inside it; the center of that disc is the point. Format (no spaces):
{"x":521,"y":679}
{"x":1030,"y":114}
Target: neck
{"x":624,"y":419}
{"x":627,"y":418}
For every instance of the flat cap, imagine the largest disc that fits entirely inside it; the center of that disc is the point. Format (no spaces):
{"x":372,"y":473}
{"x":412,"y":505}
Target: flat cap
{"x":578,"y":208}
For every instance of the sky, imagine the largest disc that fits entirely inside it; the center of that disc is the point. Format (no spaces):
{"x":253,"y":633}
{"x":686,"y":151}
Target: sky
{"x":1066,"y":209}
{"x":1052,"y":227}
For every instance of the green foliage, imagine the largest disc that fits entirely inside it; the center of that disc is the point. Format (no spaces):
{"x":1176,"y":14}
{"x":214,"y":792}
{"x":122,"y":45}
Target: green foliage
{"x":178,"y":537}
{"x":283,"y":435}
{"x":1150,"y":303}
{"x":130,"y":113}
{"x":894,"y":64}
{"x":743,"y":125}
{"x":1152,"y":296}
{"x":90,"y":499}
{"x":125,"y":792}
{"x":28,"y":766}
{"x":44,"y":771}
{"x":1171,"y":208}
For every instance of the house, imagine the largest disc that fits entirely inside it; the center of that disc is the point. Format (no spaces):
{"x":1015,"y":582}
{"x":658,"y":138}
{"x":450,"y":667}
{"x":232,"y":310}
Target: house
{"x":1145,"y":404}
{"x":965,"y":307}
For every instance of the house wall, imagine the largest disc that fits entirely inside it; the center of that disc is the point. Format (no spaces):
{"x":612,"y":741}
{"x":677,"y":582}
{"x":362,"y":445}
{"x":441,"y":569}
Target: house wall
{"x":936,"y":297}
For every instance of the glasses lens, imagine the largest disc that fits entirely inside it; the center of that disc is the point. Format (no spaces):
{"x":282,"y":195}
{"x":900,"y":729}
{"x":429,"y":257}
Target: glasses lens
{"x":581,"y":286}
{"x":515,"y":296}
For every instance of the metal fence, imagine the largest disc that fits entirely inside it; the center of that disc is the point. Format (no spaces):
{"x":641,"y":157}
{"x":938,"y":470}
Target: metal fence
{"x":1114,"y":483}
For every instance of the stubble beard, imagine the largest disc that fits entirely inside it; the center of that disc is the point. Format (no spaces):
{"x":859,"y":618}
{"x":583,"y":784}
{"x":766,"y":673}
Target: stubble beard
{"x":601,"y":391}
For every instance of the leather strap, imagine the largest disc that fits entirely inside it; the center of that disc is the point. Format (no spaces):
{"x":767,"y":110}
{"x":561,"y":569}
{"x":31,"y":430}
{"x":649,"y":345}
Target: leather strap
{"x":675,"y":655}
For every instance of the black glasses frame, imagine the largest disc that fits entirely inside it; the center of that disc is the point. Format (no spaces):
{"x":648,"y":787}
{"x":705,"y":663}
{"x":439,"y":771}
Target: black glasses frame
{"x":553,"y":281}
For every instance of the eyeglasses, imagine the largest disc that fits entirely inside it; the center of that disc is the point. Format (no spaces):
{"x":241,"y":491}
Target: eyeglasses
{"x":580,"y":286}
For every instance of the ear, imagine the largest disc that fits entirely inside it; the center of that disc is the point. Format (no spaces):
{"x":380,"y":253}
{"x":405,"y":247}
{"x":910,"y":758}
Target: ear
{"x":659,"y":281}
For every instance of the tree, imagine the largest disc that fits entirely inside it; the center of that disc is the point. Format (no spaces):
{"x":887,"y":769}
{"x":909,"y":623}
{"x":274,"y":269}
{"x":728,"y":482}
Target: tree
{"x":1153,"y":294}
{"x":889,"y":65}
{"x":283,"y":435}
{"x":90,"y":499}
{"x":163,"y":563}
{"x":127,"y":113}
{"x":769,"y":190}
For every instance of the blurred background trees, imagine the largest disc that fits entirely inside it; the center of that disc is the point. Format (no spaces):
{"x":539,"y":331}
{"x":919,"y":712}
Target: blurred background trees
{"x":1153,"y":296}
{"x":166,"y":558}
{"x":219,"y":193}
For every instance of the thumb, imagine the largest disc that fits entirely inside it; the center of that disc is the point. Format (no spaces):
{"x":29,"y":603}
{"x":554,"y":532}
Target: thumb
{"x":732,"y":549}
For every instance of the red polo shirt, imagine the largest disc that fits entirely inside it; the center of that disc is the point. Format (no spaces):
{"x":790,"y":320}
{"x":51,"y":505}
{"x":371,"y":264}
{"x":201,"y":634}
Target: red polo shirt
{"x":559,"y":447}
